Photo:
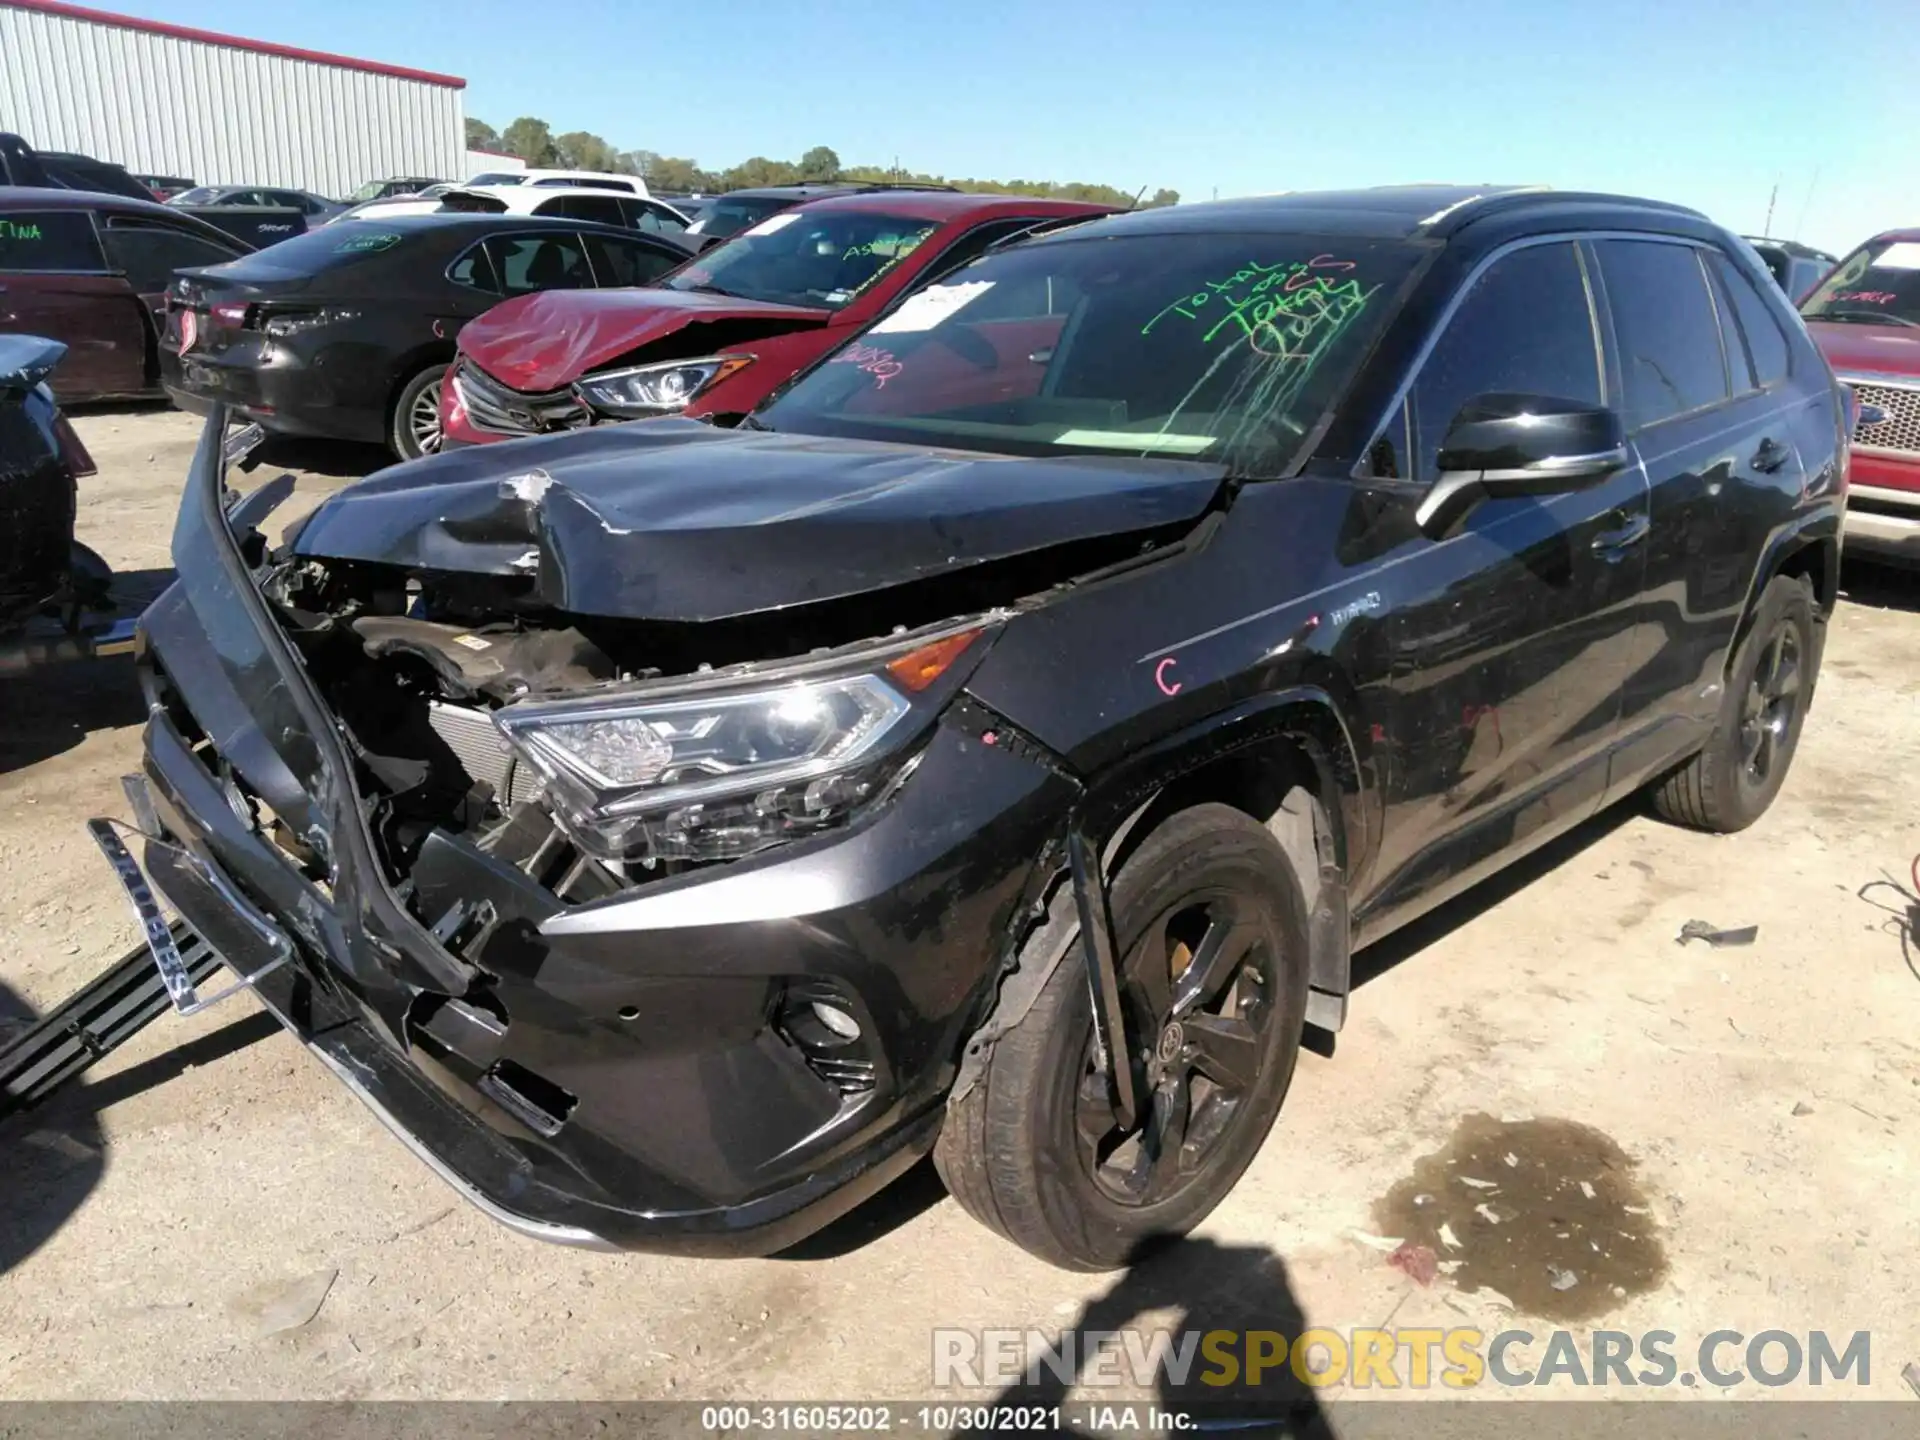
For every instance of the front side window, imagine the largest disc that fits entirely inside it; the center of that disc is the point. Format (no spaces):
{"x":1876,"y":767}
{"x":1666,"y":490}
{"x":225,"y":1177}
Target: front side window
{"x":150,"y":253}
{"x":1524,"y":327}
{"x":49,"y":240}
{"x":1671,"y":358}
{"x":1879,"y":284}
{"x":1222,"y":347}
{"x":816,"y":258}
{"x":526,"y":263}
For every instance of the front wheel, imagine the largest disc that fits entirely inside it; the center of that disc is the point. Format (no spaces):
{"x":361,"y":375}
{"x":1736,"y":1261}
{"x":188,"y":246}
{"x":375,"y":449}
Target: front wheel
{"x":1732,"y":781}
{"x":413,"y":429}
{"x":1210,"y":926}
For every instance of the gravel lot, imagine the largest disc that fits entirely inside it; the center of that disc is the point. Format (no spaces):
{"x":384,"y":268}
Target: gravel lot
{"x":211,"y":1215}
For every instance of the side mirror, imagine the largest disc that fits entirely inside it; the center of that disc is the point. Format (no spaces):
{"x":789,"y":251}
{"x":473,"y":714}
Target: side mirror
{"x":1506,"y":445}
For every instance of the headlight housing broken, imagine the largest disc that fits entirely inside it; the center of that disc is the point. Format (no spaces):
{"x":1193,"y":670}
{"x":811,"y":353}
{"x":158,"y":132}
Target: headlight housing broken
{"x":717,"y":773}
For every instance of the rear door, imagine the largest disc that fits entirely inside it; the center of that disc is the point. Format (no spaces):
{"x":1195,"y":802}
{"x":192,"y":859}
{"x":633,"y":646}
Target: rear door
{"x":55,"y":281}
{"x":146,"y":252}
{"x":1710,"y":415}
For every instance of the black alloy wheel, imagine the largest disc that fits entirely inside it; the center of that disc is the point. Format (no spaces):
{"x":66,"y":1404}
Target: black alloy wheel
{"x":1199,"y":1020}
{"x":1772,"y":703}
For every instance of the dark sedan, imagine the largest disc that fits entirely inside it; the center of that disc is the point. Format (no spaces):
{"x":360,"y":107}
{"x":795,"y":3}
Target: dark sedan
{"x":346,"y":331}
{"x":314,"y":207}
{"x":91,"y":271}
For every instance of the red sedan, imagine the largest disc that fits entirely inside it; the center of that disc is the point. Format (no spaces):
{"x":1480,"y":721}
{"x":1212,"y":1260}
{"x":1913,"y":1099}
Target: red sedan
{"x":718,"y":335}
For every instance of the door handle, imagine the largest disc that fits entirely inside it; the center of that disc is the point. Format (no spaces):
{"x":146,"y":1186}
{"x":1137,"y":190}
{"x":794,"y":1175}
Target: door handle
{"x":1770,"y":456}
{"x":1629,"y":534}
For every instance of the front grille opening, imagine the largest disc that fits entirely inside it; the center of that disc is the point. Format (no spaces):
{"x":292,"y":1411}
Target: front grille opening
{"x":1901,"y":430}
{"x":493,"y":406}
{"x":535,"y":1101}
{"x":826,"y":1027}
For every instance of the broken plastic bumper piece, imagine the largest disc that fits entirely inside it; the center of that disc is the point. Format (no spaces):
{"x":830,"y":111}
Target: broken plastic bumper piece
{"x":161,"y":944}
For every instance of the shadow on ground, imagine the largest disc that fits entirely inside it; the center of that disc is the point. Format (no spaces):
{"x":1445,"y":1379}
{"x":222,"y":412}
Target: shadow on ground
{"x":1187,"y":1288}
{"x":51,"y":1168}
{"x":56,"y":1152}
{"x":1381,"y":956}
{"x":1883,"y":587}
{"x":342,"y":459}
{"x":54,"y":707}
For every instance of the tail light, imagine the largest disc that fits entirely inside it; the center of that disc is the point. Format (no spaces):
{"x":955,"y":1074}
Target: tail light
{"x":229,"y":314}
{"x":73,"y":454}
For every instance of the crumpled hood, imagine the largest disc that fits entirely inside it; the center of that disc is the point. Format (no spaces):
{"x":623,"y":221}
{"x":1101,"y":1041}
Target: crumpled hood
{"x":1887,"y":349}
{"x":674,"y":520}
{"x":551,"y":338}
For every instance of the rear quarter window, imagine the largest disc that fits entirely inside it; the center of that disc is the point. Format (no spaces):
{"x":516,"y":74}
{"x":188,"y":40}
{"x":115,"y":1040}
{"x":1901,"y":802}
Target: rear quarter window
{"x":49,"y":240}
{"x":1768,"y":353}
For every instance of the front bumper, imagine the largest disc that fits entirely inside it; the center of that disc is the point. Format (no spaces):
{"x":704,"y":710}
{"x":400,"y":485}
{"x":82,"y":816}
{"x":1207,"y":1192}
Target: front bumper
{"x":1883,"y":508}
{"x":693,"y":1123}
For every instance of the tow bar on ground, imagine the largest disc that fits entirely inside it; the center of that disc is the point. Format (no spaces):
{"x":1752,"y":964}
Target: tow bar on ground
{"x":93,"y":1023}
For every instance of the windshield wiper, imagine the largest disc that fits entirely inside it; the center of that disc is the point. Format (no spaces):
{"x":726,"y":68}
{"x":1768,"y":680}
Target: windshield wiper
{"x":705,"y":289}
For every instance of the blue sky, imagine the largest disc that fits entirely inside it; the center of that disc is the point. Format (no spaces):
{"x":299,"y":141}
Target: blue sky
{"x":1707,"y":102}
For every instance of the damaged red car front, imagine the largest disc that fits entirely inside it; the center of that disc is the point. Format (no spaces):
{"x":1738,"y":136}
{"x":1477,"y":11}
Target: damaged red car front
{"x":715,"y":338}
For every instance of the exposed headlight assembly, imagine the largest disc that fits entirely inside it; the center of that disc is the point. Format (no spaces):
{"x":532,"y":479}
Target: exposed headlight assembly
{"x":659,"y":389}
{"x":723,"y":771}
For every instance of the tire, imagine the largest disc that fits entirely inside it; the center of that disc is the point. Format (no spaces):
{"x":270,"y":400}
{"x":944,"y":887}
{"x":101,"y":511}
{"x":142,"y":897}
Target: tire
{"x":1031,"y":1150}
{"x":408,"y":435}
{"x":1732,"y":781}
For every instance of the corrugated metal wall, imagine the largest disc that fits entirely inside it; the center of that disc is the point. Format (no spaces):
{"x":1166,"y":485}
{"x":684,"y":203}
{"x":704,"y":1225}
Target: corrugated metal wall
{"x":222,"y":116}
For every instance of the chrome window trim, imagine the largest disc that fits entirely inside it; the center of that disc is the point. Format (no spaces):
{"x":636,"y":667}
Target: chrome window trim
{"x":1493,"y":257}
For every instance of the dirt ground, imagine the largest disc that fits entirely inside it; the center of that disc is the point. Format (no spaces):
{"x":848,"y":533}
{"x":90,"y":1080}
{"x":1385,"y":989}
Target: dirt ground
{"x":212,"y":1215}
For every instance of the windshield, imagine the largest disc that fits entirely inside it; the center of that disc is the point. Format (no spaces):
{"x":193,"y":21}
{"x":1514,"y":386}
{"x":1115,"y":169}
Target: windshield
{"x":730,"y":215}
{"x":801,"y":257}
{"x":1879,"y":284}
{"x":199,"y":195}
{"x":1211,"y":346}
{"x":505,"y":177}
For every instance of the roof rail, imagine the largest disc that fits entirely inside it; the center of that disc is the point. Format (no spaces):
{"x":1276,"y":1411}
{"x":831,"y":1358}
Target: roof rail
{"x":1427,"y":222}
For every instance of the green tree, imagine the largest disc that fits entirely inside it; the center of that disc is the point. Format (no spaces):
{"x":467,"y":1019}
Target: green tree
{"x":758,"y":170}
{"x":531,"y":140}
{"x":1160,"y":198}
{"x":578,"y":150}
{"x":670,"y":173}
{"x":819,"y":163}
{"x":481,"y":136}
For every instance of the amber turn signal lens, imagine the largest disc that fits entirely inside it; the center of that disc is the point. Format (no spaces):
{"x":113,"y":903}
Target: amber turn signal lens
{"x":917,"y":669}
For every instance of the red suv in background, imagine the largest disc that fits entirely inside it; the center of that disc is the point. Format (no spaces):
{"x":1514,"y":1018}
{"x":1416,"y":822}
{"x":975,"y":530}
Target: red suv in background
{"x":721,"y":333}
{"x":1865,"y":316}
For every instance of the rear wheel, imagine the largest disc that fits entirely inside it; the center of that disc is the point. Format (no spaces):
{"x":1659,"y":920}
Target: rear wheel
{"x":413,"y":429}
{"x":1732,"y":781}
{"x":1210,"y":924}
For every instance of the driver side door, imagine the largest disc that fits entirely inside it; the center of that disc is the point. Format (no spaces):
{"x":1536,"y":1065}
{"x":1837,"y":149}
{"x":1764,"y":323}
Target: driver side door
{"x":1510,"y":637}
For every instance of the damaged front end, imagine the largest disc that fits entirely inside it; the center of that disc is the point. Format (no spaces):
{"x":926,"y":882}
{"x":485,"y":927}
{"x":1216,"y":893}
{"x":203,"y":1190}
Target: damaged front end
{"x":643,"y":862}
